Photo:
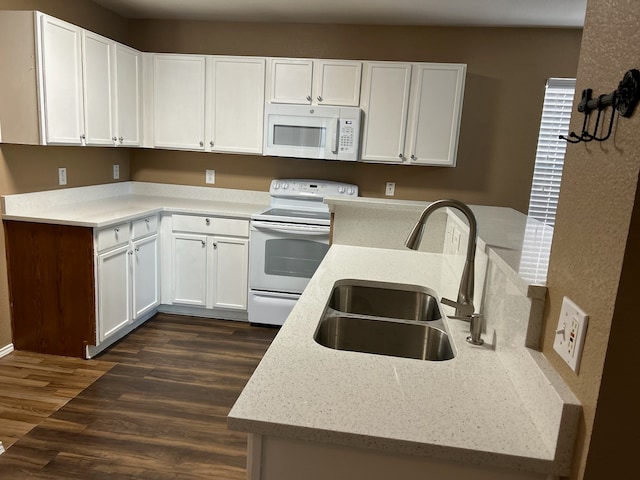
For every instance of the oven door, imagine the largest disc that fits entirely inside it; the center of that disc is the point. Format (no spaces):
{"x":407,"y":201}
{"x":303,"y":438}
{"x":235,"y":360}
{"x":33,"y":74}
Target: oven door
{"x":283,"y":257}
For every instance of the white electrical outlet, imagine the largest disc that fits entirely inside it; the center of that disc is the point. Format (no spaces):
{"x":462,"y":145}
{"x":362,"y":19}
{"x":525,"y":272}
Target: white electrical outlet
{"x":62,"y":176}
{"x":116,"y":172}
{"x":570,"y":334}
{"x":390,"y":190}
{"x":210,"y":176}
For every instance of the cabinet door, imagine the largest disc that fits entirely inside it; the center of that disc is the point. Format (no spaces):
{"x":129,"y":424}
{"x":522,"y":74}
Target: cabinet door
{"x":385,"y":99}
{"x":127,"y":64}
{"x":235,"y":93}
{"x":96,"y":67}
{"x":114,"y":307}
{"x":146,"y":287}
{"x":61,"y":82}
{"x":337,"y":82}
{"x":435,"y":110}
{"x":189,"y":261}
{"x":179,"y":101}
{"x":290,"y":81}
{"x":230,"y":266}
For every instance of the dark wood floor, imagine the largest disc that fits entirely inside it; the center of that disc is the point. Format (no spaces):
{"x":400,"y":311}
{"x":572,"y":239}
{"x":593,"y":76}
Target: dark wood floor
{"x":159,"y":413}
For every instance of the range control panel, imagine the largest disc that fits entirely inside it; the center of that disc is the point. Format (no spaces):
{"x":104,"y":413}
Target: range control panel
{"x":311,"y":188}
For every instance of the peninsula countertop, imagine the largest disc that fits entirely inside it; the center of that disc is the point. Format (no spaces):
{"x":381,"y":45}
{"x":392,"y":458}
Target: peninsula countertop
{"x":104,"y":205}
{"x":464,"y":410}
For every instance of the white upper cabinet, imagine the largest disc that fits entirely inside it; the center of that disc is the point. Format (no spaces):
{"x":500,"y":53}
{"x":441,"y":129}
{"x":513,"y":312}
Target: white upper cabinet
{"x":337,"y":82}
{"x":385,"y":97}
{"x":97,"y":73}
{"x":89,"y":87}
{"x":179,"y":101}
{"x":61,"y":87}
{"x":235,"y":104}
{"x":435,"y":109}
{"x":315,"y":82}
{"x":412,"y":112}
{"x":127,"y":102}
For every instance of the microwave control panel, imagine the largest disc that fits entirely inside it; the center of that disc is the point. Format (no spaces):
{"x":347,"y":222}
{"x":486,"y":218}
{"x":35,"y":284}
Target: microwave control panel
{"x":346,"y":142}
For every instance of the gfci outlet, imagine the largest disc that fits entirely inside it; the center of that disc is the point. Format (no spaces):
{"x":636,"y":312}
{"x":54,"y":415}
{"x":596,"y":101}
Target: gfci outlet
{"x":116,"y":172}
{"x":210,"y":176}
{"x":62,"y":176}
{"x":390,"y":190}
{"x":570,"y":334}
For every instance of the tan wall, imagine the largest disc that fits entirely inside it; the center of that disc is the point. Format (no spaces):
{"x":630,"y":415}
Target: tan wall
{"x":594,"y":258}
{"x":28,"y":169}
{"x":507,"y":70}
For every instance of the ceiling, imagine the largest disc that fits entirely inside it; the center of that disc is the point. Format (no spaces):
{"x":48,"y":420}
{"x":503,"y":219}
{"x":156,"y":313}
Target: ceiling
{"x":485,"y":13}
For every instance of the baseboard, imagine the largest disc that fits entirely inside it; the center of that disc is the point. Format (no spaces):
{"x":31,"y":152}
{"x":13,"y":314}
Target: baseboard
{"x":6,"y":351}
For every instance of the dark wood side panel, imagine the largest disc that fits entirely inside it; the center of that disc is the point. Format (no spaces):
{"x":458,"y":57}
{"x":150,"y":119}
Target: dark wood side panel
{"x":51,"y":287}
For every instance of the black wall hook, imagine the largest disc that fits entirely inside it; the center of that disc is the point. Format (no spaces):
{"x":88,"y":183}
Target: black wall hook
{"x":622,"y":100}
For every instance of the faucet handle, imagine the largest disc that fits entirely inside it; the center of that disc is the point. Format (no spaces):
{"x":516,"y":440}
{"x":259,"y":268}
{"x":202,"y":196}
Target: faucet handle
{"x":463,"y":310}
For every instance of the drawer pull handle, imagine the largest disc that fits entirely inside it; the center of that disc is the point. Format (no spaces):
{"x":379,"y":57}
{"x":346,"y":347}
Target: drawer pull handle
{"x":117,"y":230}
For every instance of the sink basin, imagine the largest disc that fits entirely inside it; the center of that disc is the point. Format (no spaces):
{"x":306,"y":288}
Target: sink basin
{"x":407,"y":302}
{"x":368,"y":335}
{"x":385,"y":319}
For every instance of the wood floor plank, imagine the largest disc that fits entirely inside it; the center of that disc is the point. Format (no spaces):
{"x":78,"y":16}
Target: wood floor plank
{"x":159,"y":412}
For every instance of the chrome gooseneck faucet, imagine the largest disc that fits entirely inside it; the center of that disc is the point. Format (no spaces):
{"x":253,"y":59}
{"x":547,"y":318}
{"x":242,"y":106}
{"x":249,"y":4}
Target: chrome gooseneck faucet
{"x":464,"y":304}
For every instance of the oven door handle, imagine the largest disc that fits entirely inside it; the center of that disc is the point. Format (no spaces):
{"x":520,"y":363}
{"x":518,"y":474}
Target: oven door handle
{"x":299,"y":229}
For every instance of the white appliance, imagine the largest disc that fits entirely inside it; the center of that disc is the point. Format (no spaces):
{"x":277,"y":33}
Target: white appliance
{"x":303,"y":131}
{"x":287,"y":243}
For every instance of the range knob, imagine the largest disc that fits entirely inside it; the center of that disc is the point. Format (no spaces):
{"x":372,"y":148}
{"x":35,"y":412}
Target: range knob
{"x":350,"y":191}
{"x":340,"y":189}
{"x":285,"y":185}
{"x":276,"y":185}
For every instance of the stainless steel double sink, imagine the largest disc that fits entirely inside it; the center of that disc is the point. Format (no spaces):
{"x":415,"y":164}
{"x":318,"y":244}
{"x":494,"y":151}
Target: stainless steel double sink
{"x":386,"y":319}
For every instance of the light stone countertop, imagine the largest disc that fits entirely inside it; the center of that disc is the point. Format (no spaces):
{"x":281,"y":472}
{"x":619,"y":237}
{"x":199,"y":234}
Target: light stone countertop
{"x":462,"y":410}
{"x":104,"y":205}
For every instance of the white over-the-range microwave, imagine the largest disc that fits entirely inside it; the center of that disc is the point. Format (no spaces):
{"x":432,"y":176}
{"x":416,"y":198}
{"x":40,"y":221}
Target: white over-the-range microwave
{"x":307,"y":131}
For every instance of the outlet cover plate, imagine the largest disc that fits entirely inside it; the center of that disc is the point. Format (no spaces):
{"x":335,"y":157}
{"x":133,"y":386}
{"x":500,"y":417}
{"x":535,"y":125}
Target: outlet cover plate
{"x":570,"y":334}
{"x":210,"y":177}
{"x":62,"y":176}
{"x":390,"y":189}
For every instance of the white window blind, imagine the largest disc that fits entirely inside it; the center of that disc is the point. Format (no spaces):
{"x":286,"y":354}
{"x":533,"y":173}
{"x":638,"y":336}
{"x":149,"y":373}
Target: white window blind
{"x":556,"y":113}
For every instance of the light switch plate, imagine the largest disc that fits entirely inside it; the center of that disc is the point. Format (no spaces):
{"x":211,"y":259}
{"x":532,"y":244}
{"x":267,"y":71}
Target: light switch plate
{"x":570,"y":334}
{"x":210,"y":176}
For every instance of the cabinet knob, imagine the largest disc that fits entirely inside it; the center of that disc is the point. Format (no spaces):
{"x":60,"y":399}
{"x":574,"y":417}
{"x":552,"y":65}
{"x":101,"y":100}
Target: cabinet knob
{"x":117,"y":230}
{"x":400,"y":156}
{"x":115,"y":139}
{"x":137,"y":249}
{"x":202,"y":144}
{"x":83,"y":137}
{"x":308,"y":98}
{"x":215,"y":245}
{"x":211,"y":143}
{"x":319,"y":98}
{"x":130,"y":252}
{"x":208,"y":221}
{"x":413,"y":157}
{"x":121,"y":139}
{"x":146,"y":220}
{"x":203,"y":243}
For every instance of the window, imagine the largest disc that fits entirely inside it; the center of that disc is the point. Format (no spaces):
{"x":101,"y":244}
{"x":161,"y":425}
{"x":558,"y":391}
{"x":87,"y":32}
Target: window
{"x":556,"y":113}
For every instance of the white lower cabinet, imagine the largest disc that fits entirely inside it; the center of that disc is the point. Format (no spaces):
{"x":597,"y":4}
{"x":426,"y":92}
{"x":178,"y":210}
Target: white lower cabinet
{"x":209,"y":262}
{"x":114,"y":299}
{"x":127,"y":281}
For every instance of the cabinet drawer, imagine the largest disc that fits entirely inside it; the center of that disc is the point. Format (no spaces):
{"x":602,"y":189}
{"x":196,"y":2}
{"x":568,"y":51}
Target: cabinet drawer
{"x":211,"y":225}
{"x":145,"y":226}
{"x":113,"y":236}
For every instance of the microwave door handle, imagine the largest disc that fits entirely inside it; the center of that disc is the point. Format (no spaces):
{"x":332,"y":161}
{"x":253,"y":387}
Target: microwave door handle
{"x":337,"y":139}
